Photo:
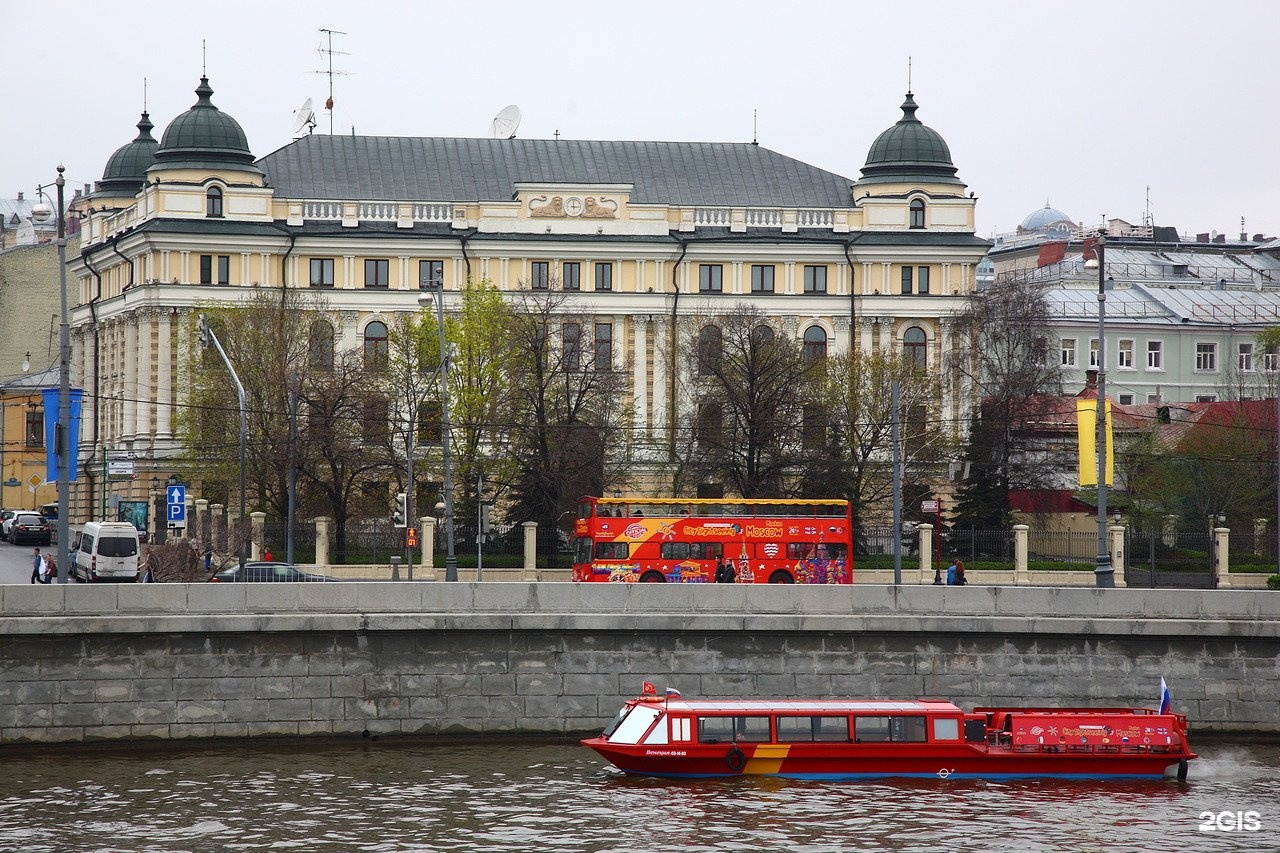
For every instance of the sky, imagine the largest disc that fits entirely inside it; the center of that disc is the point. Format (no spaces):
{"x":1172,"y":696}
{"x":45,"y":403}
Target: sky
{"x":1093,"y":107}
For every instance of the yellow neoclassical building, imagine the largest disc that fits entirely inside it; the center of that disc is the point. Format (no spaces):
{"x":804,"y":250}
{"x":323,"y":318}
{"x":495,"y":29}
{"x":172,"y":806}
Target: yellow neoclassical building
{"x":634,"y":232}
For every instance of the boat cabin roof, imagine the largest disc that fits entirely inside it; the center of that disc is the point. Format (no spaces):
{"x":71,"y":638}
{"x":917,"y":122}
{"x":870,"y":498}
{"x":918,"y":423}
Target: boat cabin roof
{"x":805,"y":706}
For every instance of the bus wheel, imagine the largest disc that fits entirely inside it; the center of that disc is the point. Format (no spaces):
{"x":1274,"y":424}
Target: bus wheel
{"x":781,"y":577}
{"x":652,"y":577}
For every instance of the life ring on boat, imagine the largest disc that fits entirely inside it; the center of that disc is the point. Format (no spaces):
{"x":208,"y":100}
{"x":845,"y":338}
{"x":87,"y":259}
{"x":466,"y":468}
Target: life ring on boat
{"x":735,"y":759}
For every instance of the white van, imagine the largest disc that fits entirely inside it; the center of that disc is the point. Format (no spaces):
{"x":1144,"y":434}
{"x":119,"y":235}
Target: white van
{"x":108,"y":551}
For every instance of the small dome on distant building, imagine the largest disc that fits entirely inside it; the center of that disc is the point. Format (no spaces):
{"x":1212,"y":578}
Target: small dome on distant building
{"x":204,"y":137}
{"x":1044,"y":220}
{"x":127,"y":169}
{"x":909,"y":152}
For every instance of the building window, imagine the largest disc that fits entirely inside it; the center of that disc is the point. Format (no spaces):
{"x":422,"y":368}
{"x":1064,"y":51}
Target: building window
{"x":815,"y":344}
{"x":1155,"y":355}
{"x":541,"y":274}
{"x":763,"y":335}
{"x":813,"y":427}
{"x":917,"y":214}
{"x":1206,"y":356}
{"x":571,"y":339}
{"x":322,"y":272}
{"x":914,"y":344}
{"x":1124,"y":354}
{"x":208,"y":264}
{"x":374,"y":420}
{"x":710,"y":278}
{"x":376,"y":272}
{"x":815,"y":279}
{"x":571,"y":276}
{"x":1093,"y":352}
{"x":762,"y":278}
{"x":1153,"y":398}
{"x":430,"y":275}
{"x":1206,"y":398}
{"x":922,"y":277}
{"x":604,"y":346}
{"x":1067,"y":350}
{"x":906,"y":280}
{"x":1126,"y":399}
{"x":604,"y":276}
{"x":35,"y":428}
{"x":709,"y":425}
{"x":375,"y":346}
{"x":320,"y":346}
{"x":710,"y":349}
{"x":213,"y":201}
{"x":1246,"y":358}
{"x":1270,"y":358}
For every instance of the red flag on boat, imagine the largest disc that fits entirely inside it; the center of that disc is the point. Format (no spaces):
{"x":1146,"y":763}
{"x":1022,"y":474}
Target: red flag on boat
{"x":648,"y":689}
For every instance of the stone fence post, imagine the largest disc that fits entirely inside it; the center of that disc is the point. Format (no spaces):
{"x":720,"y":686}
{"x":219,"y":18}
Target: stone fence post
{"x":218,"y":528}
{"x":1259,"y":534}
{"x":530,"y":550}
{"x":201,"y":522}
{"x":257,"y":535}
{"x":322,"y":543}
{"x":926,"y":553}
{"x":427,"y":524}
{"x":1021,"y":576}
{"x":1221,"y":557}
{"x":1115,"y":538}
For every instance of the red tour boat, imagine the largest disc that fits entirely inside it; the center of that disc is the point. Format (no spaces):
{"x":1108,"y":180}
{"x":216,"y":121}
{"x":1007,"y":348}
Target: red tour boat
{"x":670,"y":736}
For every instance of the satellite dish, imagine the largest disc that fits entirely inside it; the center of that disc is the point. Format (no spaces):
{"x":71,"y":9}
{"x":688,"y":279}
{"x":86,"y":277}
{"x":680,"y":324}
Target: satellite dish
{"x":305,"y":117}
{"x":505,"y":123}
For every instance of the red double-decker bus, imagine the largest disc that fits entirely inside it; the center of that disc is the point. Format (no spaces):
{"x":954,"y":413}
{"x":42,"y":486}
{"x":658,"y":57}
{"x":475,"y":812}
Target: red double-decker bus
{"x":675,"y":540}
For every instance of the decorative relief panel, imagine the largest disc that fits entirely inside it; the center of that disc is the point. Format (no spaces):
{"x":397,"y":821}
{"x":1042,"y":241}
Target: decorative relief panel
{"x":585,"y":207}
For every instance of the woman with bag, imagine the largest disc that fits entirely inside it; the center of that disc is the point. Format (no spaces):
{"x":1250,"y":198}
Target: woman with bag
{"x":39,"y":569}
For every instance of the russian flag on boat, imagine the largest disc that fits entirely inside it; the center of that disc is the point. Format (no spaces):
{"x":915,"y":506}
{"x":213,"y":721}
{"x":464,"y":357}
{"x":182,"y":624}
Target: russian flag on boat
{"x":1166,"y":701}
{"x":672,"y":693}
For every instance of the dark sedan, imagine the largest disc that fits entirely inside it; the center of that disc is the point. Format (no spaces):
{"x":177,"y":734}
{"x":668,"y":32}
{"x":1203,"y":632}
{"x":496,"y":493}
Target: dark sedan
{"x":30,"y":528}
{"x":262,"y":572}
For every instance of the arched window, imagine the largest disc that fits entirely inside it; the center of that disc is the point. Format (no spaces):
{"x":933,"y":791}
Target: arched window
{"x":762,"y":335}
{"x":917,"y":214}
{"x":710,"y":350}
{"x":375,"y":346}
{"x":815,"y":344}
{"x":320,"y":346}
{"x":914,"y":344}
{"x":213,"y":201}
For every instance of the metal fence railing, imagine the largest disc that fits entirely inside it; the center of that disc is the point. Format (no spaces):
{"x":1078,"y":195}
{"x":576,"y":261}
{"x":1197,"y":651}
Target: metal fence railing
{"x":1158,"y":557}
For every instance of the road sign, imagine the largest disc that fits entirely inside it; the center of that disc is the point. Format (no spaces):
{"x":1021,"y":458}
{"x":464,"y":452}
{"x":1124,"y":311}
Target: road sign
{"x":176,"y":502}
{"x":928,"y":506}
{"x":120,"y":467}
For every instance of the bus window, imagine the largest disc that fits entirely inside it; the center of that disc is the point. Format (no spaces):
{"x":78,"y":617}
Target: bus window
{"x":800,"y":550}
{"x":704,"y":550}
{"x":611,"y":551}
{"x":675,"y":550}
{"x":584,"y":509}
{"x":833,"y":551}
{"x":582,"y":549}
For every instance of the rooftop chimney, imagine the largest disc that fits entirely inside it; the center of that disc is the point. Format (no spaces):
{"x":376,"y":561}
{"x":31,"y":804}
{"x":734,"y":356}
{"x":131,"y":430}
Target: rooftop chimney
{"x":19,"y":195}
{"x":1203,"y":237}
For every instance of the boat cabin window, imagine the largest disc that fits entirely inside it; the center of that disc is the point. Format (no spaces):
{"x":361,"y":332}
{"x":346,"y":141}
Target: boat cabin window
{"x":724,"y":729}
{"x":881,"y":729}
{"x":946,"y":728}
{"x":802,"y":729}
{"x":611,"y":551}
{"x":633,"y":725}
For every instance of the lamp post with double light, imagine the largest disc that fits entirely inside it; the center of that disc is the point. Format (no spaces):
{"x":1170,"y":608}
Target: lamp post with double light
{"x":434,"y":289}
{"x":1104,"y":572}
{"x":62,"y":431}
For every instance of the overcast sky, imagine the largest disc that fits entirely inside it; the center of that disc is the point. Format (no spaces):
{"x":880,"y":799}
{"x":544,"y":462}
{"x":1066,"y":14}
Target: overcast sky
{"x":1081,"y":104}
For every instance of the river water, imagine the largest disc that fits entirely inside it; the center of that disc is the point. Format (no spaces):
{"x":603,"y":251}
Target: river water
{"x":413,"y":796}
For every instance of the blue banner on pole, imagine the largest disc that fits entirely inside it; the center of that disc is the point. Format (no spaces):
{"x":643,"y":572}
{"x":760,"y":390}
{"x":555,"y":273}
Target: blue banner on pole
{"x":51,"y":434}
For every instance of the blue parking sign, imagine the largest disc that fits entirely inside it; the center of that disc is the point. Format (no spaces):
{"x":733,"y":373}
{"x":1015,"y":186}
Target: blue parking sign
{"x":176,"y":497}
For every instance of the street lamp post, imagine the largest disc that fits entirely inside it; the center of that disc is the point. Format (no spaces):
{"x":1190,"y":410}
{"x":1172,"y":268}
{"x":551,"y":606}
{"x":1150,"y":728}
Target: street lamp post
{"x":1104,"y":572}
{"x":451,"y":558}
{"x":62,"y":432}
{"x":207,"y":338}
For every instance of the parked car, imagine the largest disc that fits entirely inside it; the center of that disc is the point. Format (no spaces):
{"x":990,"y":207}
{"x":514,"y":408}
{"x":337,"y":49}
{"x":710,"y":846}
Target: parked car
{"x":30,"y":528}
{"x":264,"y":572}
{"x":108,"y":551}
{"x":5,"y":517}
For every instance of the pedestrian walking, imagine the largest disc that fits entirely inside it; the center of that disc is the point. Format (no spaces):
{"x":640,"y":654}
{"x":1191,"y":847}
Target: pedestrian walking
{"x":39,"y":569}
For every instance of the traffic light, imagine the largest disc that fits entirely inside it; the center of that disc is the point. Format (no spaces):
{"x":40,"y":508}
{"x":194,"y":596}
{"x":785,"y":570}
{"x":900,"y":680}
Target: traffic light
{"x":400,"y":510}
{"x":486,"y":523}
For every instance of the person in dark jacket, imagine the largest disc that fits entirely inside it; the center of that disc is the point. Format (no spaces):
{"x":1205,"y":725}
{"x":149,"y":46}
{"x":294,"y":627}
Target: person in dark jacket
{"x":39,"y":571}
{"x":725,"y":572}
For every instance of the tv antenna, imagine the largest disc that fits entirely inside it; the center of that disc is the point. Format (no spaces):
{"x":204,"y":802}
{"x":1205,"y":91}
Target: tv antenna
{"x":304,"y":117}
{"x":504,"y":124}
{"x":330,"y":52}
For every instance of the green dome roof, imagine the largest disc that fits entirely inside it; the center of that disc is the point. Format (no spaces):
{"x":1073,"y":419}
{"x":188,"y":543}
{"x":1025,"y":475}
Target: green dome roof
{"x":127,"y":168}
{"x":909,"y":152}
{"x":204,"y":137}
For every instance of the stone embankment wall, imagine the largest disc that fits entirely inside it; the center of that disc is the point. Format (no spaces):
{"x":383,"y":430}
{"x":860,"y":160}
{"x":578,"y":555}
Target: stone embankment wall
{"x":80,"y":662}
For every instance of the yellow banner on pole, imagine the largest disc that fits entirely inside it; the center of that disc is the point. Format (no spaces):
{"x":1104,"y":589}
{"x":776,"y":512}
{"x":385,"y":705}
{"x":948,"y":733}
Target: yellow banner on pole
{"x":1086,"y":431}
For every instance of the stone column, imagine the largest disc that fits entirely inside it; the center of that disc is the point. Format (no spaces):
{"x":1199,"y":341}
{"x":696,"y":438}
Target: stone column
{"x":639,"y":372}
{"x":1115,"y":536}
{"x":530,"y":550}
{"x":144,"y":389}
{"x":1021,"y":576}
{"x":1259,"y":534}
{"x":218,"y":523}
{"x":322,"y":543}
{"x":1221,"y":557}
{"x":130,"y":379}
{"x":199,"y":522}
{"x":1169,"y":531}
{"x":189,"y":532}
{"x":925,"y":566}
{"x":257,"y":527}
{"x":164,"y":378}
{"x":427,"y":541}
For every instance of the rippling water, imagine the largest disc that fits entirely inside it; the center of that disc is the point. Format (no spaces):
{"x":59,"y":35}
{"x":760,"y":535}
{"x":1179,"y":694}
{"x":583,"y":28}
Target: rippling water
{"x":402,"y":796}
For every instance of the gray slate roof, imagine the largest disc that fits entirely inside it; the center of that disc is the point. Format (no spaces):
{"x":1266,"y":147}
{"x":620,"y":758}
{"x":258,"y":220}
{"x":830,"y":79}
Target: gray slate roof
{"x":392,"y":168}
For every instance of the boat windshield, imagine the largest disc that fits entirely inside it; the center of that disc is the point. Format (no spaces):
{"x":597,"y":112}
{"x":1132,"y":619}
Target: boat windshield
{"x":632,"y":723}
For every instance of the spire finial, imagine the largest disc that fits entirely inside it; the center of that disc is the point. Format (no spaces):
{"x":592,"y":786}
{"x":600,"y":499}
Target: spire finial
{"x":755,"y":127}
{"x":908,"y":75}
{"x":204,"y":58}
{"x":144,"y":94}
